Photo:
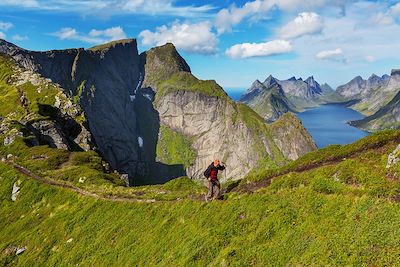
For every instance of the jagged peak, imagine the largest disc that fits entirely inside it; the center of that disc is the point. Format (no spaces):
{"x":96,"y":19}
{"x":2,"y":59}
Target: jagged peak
{"x":373,"y":76}
{"x":309,"y":79}
{"x":395,"y":72}
{"x":113,"y":44}
{"x":256,"y":82}
{"x":293,"y":78}
{"x":270,"y":81}
{"x":357,"y":79}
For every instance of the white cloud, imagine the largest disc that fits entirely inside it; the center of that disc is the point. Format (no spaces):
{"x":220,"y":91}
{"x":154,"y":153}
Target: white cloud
{"x":329,"y":54}
{"x":305,"y":23}
{"x":163,"y":7}
{"x":395,"y":10}
{"x":247,"y":50}
{"x":114,"y":33}
{"x":94,"y":36}
{"x":5,"y":26}
{"x":20,"y":3}
{"x":113,"y":7}
{"x":192,"y":38}
{"x":18,"y":37}
{"x":228,"y":17}
{"x":2,"y":35}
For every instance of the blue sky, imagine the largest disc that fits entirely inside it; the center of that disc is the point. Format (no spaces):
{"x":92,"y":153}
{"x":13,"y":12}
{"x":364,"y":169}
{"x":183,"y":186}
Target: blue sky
{"x":233,"y":42}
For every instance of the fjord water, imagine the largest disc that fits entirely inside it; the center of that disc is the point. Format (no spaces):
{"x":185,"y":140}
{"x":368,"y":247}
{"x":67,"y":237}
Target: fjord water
{"x":327,"y":124}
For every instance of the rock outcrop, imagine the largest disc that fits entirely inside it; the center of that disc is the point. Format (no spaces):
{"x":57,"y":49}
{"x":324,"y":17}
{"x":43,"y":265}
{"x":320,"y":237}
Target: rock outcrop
{"x":393,"y":158}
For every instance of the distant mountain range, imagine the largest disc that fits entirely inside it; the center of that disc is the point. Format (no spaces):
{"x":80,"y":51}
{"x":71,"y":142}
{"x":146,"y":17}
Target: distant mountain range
{"x":273,"y":97}
{"x":377,"y":97}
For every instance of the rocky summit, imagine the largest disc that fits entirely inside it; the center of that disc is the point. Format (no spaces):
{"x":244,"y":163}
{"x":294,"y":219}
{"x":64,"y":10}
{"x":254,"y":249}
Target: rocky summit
{"x":146,"y":114}
{"x":274,"y":97}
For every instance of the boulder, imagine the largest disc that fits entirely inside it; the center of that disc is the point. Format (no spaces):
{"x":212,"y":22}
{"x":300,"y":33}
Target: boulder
{"x":393,"y":158}
{"x":15,"y":191}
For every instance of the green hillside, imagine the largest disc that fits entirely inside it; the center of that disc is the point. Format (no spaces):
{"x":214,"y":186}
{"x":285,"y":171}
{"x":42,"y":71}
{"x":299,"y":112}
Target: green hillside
{"x":336,"y":206}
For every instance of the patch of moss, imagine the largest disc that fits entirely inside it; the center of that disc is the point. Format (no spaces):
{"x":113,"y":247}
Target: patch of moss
{"x":79,"y":92}
{"x":185,"y":81}
{"x":174,"y":148}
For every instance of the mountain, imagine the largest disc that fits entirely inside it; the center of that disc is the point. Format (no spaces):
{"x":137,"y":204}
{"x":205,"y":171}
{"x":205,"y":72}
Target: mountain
{"x":387,"y":117}
{"x":267,"y":99}
{"x":377,"y":98}
{"x":146,"y":114}
{"x":274,"y":97}
{"x":338,"y":206}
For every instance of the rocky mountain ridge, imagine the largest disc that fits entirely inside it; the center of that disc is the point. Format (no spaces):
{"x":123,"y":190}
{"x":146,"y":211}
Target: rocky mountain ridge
{"x":376,"y":98}
{"x":127,"y":104}
{"x":274,"y":97}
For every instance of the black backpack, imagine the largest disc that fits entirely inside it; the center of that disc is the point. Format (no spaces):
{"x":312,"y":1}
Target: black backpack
{"x":207,"y":173}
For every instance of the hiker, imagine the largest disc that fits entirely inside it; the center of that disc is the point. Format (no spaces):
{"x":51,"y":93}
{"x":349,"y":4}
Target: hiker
{"x":211,"y":174}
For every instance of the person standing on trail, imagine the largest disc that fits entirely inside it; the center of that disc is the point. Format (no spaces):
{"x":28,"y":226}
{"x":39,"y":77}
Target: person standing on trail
{"x":211,"y":174}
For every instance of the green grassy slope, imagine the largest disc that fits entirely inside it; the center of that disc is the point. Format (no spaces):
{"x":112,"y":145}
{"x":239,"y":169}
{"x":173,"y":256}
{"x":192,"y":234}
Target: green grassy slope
{"x":340,"y":210}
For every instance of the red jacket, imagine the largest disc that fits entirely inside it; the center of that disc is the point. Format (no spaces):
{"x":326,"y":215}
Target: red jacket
{"x":212,"y":171}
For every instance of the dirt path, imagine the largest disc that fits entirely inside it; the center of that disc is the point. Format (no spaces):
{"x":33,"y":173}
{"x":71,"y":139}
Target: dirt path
{"x":254,"y":186}
{"x":78,"y":190}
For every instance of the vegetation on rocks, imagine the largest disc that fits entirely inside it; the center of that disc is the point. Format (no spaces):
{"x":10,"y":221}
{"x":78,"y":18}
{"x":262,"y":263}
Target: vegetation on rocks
{"x":174,"y":148}
{"x":185,"y":81}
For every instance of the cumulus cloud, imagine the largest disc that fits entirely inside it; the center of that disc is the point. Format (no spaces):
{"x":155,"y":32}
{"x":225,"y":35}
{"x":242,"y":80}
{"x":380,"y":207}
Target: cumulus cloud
{"x":18,"y":37}
{"x":330,"y":54}
{"x":228,"y":17}
{"x":94,"y":36}
{"x":114,"y":33}
{"x":192,"y":38}
{"x":247,"y":50}
{"x":5,"y":26}
{"x":305,"y":23}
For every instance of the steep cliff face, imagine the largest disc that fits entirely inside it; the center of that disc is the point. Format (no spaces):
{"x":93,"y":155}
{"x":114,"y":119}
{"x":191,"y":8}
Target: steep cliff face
{"x":291,"y":138}
{"x":216,"y":126}
{"x":146,"y":114}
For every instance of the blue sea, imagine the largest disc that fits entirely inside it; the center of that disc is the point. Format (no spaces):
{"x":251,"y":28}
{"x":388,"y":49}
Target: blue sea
{"x":327,"y":124}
